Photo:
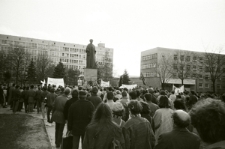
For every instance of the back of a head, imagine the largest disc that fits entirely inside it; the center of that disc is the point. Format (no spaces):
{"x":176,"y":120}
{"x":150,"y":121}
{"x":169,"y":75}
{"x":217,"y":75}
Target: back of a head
{"x":162,"y":92}
{"x":179,"y":105}
{"x":148,"y":97}
{"x":163,"y":102}
{"x":150,"y":90}
{"x":32,"y":86}
{"x":118,"y":109}
{"x":208,"y":117}
{"x":124,"y":94}
{"x":135,"y":107}
{"x":110,"y":95}
{"x":94,"y":90}
{"x":133,"y":95}
{"x":181,"y":119}
{"x":67,"y":91}
{"x":102,"y":113}
{"x":82,"y":94}
{"x":172,"y":92}
{"x":75,"y":93}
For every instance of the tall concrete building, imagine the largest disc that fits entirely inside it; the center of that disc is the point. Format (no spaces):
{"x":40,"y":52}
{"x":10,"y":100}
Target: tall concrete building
{"x":70,"y":54}
{"x":195,"y":73}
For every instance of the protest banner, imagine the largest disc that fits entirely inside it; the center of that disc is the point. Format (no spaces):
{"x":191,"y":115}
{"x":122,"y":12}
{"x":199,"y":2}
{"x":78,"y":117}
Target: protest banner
{"x":105,"y":84}
{"x":128,"y":86}
{"x":55,"y":81}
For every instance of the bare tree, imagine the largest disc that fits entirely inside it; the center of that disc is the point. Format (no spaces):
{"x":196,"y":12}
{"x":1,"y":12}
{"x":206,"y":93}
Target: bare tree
{"x":164,"y":69}
{"x":182,"y":65}
{"x":43,"y":62}
{"x":105,"y":68}
{"x":215,"y":65}
{"x":72,"y":76}
{"x":17,"y":58}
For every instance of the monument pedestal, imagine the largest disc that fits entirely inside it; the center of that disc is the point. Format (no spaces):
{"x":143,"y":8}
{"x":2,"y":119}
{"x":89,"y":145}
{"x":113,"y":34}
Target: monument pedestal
{"x":90,"y":74}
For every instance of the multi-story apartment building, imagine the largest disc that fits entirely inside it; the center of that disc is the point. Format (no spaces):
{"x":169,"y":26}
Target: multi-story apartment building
{"x":70,"y":54}
{"x":168,"y":62}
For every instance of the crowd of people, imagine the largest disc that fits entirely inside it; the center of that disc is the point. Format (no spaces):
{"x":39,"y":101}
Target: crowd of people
{"x":141,"y":118}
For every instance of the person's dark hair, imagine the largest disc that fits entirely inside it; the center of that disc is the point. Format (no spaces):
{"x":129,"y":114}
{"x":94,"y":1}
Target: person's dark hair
{"x":44,"y":88}
{"x":179,"y":105}
{"x":17,"y":86}
{"x":133,"y":95}
{"x":148,"y":97}
{"x":223,"y":98}
{"x":179,"y":122}
{"x":124,"y":94}
{"x":178,"y":96}
{"x":208,"y":117}
{"x":172,"y":92}
{"x":138,"y":93}
{"x":75,"y":93}
{"x":110,"y":95}
{"x":125,"y":89}
{"x":102,"y":114}
{"x":32,"y":86}
{"x":135,"y":107}
{"x":164,"y":102}
{"x":162,"y":92}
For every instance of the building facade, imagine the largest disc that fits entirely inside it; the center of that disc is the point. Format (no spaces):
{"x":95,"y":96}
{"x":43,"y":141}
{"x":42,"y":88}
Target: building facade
{"x":70,"y":54}
{"x":170,"y":65}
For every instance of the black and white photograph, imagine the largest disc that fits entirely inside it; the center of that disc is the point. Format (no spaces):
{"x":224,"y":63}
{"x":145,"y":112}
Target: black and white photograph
{"x":119,"y":74}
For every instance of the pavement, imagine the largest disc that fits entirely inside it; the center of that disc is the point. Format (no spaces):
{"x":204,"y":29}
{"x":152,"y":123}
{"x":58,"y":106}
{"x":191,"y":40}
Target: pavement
{"x":50,"y":129}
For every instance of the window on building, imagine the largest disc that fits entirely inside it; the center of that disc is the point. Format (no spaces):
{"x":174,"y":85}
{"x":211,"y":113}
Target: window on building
{"x":188,"y":58}
{"x":218,"y":86}
{"x":206,"y":85}
{"x":188,"y":67}
{"x":200,"y":85}
{"x":200,"y":58}
{"x":206,"y":69}
{"x":182,"y":57}
{"x":194,"y":58}
{"x":200,"y":68}
{"x":174,"y":66}
{"x":194,"y":67}
{"x":175,"y":57}
{"x":193,"y":75}
{"x":200,"y":76}
{"x":206,"y":77}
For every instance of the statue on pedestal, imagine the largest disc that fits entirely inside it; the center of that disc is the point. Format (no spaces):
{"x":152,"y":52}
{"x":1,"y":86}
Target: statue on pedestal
{"x":90,"y":61}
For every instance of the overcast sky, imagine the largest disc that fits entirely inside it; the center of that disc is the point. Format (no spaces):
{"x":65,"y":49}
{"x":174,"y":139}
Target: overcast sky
{"x":127,"y":26}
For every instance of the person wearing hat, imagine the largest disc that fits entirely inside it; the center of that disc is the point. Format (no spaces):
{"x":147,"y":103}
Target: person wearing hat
{"x":80,"y":114}
{"x":117,"y":111}
{"x":94,"y":99}
{"x":58,"y":116}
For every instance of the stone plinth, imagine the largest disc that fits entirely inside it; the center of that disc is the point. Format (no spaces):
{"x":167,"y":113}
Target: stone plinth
{"x":90,"y":74}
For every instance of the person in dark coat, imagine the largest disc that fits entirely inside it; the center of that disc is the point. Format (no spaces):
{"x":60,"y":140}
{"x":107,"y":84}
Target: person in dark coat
{"x":58,"y":116}
{"x":26,"y":95}
{"x":102,"y":131}
{"x":16,"y":98}
{"x":179,"y":137}
{"x":38,"y":99}
{"x":70,"y":102}
{"x":80,"y":114}
{"x":94,"y":98}
{"x":138,"y":131}
{"x":49,"y":103}
{"x":1,"y":96}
